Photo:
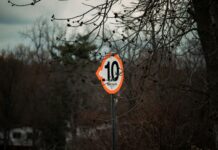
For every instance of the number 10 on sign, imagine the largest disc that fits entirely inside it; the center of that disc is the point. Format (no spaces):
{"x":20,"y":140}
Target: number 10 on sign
{"x":111,"y":73}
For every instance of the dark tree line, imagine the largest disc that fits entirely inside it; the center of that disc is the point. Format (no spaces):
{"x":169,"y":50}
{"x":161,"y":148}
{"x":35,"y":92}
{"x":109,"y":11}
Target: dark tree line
{"x":153,"y":34}
{"x":43,"y":90}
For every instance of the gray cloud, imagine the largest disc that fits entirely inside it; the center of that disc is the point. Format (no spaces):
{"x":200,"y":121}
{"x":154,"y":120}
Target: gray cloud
{"x":15,"y":19}
{"x":6,"y":20}
{"x":46,"y":8}
{"x":11,"y":15}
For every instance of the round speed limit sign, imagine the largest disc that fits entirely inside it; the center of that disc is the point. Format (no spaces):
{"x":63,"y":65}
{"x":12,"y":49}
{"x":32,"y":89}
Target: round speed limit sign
{"x":111,"y":73}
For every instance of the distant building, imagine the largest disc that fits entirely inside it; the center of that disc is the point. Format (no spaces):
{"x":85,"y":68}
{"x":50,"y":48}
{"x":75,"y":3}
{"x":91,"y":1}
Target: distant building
{"x":19,"y":138}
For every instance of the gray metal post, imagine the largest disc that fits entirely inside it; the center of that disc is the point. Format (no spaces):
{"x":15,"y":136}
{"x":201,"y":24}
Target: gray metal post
{"x":113,"y":115}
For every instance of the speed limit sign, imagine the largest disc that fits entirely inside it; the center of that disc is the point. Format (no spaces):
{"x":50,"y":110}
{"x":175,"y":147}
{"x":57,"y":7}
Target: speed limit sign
{"x":111,"y":73}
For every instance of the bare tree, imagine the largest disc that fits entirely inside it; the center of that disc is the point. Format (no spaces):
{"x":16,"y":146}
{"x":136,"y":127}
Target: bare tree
{"x":42,"y":36}
{"x":171,"y":21}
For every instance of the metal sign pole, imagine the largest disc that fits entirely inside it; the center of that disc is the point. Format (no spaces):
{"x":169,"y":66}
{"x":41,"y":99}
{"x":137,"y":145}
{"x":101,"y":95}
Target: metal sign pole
{"x":111,"y":75}
{"x":113,"y":115}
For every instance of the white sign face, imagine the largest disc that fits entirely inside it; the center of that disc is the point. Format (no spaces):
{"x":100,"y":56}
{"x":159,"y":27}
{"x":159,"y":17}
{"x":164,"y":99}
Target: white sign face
{"x":111,"y":73}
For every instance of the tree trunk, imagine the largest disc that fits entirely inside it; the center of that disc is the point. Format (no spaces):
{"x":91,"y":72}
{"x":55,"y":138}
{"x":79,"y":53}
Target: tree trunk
{"x":74,"y":121}
{"x":6,"y":138}
{"x":207,"y":21}
{"x":34,"y":139}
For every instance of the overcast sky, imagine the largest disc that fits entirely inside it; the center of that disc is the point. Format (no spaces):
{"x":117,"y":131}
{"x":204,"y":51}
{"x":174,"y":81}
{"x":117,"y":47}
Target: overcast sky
{"x":17,"y":19}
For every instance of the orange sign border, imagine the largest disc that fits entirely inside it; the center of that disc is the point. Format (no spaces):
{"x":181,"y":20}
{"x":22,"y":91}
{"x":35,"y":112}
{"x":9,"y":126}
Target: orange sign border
{"x":122,"y":75}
